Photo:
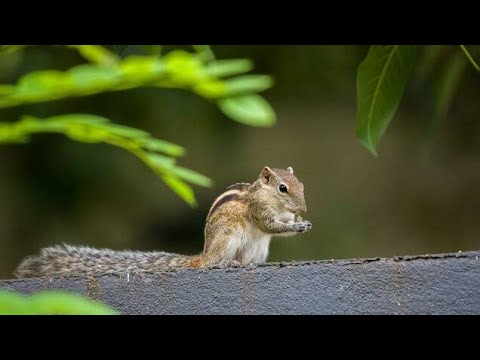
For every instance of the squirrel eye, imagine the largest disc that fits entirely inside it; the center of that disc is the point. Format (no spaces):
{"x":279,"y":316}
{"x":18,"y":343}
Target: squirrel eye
{"x":282,"y":188}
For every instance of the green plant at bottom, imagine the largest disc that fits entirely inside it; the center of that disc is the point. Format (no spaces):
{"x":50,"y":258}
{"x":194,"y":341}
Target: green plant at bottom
{"x":50,"y":303}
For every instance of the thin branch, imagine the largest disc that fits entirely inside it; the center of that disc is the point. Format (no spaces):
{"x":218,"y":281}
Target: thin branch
{"x":470,"y":58}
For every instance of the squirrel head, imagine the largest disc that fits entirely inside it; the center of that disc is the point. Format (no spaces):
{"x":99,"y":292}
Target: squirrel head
{"x":284,"y":187}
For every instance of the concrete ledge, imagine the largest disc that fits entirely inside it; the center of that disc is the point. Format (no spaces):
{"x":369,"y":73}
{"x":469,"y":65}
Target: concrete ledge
{"x":430,"y":284}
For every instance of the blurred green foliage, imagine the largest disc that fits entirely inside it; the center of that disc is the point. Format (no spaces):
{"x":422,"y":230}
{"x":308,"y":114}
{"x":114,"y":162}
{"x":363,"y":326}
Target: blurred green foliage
{"x":197,"y":72}
{"x":381,"y":79}
{"x":50,"y":303}
{"x":158,"y":154}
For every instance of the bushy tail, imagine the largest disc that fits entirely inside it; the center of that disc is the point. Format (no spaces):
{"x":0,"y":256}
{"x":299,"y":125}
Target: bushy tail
{"x":66,"y":260}
{"x":29,"y":267}
{"x":58,"y":260}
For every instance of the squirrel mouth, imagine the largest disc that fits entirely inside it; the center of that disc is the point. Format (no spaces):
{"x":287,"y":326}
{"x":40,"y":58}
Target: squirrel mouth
{"x":291,"y":209}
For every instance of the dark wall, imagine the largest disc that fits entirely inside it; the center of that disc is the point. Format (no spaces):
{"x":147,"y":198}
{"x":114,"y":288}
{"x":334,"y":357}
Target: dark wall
{"x":437,"y":284}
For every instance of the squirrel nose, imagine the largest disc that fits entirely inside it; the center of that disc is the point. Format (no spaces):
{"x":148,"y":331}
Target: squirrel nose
{"x":303,"y":208}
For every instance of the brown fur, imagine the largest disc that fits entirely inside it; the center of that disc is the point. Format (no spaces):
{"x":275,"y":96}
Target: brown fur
{"x":238,"y":229}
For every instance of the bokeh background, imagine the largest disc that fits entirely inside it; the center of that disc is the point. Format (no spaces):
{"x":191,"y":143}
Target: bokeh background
{"x":421,"y":195}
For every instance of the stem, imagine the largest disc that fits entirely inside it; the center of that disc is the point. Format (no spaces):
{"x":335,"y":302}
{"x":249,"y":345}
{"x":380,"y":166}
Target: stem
{"x":470,"y":58}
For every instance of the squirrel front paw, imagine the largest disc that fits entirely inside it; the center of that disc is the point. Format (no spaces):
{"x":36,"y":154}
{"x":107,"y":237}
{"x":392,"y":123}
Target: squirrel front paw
{"x":302,"y":226}
{"x":231,"y":263}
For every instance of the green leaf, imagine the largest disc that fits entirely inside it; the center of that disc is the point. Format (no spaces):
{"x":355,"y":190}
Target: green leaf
{"x":248,"y":84}
{"x":181,"y":188}
{"x":11,"y":134}
{"x":251,"y":110}
{"x":381,"y":79}
{"x":78,"y":126}
{"x":42,"y":79}
{"x":183,"y":68}
{"x":6,"y":90}
{"x":161,"y":146}
{"x":31,"y":124}
{"x":78,"y":119}
{"x":85,"y":133}
{"x":93,"y":76}
{"x":204,"y":52}
{"x":444,"y":89}
{"x":42,"y":84}
{"x":124,"y":131}
{"x":160,"y":162}
{"x":221,"y":68}
{"x":211,"y":88}
{"x":92,"y":128}
{"x":192,"y":176}
{"x":142,"y":68}
{"x":97,"y":54}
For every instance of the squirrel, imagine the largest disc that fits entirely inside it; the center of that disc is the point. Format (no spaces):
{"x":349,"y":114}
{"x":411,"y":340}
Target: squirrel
{"x":239,"y":226}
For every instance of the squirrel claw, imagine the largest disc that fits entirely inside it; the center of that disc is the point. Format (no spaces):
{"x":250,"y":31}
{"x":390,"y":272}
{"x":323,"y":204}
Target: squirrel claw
{"x":231,"y":263}
{"x":303,"y":227}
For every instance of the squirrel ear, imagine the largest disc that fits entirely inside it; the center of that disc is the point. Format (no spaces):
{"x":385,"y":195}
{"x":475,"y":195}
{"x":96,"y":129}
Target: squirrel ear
{"x":266,"y":174}
{"x":290,"y":170}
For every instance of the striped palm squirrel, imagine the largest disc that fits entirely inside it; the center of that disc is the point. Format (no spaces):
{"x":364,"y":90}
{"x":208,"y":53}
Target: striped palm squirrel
{"x":239,"y":226}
